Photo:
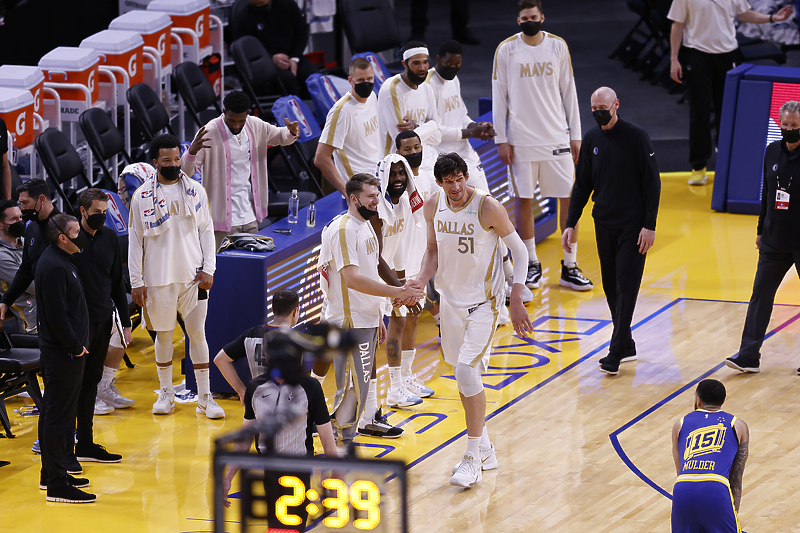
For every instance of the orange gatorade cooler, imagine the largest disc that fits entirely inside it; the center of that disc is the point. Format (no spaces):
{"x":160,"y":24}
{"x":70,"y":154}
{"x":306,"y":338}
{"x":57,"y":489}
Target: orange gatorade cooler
{"x":119,"y":49}
{"x":191,"y":14}
{"x":24,"y":77}
{"x":153,"y":26}
{"x":72,"y":65}
{"x":16,"y":109}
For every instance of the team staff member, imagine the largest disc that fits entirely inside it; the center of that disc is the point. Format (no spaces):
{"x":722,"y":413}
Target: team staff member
{"x":100,"y":268}
{"x":12,"y":229}
{"x":232,"y":152}
{"x":617,"y":165}
{"x":777,"y":236}
{"x":710,"y":448}
{"x":63,"y":337}
{"x":349,"y":142}
{"x":540,"y":142}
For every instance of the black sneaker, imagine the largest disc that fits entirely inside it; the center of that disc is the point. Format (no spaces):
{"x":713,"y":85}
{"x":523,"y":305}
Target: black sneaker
{"x":77,"y":482}
{"x":747,"y":365}
{"x":72,"y":464}
{"x":573,"y":278}
{"x":70,"y":494}
{"x":626,"y":359}
{"x":534,"y":277}
{"x":94,"y":453}
{"x":610,"y":366}
{"x":379,"y":426}
{"x":798,"y":371}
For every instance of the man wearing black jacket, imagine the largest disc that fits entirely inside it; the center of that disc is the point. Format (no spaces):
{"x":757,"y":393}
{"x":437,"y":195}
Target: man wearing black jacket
{"x":777,"y":237}
{"x":617,"y":166}
{"x":63,"y":334}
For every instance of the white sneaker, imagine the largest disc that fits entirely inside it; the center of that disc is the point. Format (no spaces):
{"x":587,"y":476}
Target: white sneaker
{"x":102,"y":408}
{"x":111,"y":396}
{"x":503,"y":317}
{"x":527,"y":295}
{"x":698,"y":177}
{"x":165,"y":403}
{"x":416,"y":387}
{"x":488,"y":458}
{"x":468,"y":474}
{"x":401,"y":397}
{"x":209,"y":407}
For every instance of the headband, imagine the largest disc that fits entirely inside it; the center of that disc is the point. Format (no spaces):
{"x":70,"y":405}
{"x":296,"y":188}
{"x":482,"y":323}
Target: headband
{"x":414,"y":51}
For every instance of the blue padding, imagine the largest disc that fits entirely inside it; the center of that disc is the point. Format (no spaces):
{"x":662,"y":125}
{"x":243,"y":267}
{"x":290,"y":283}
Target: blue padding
{"x":323,"y":94}
{"x":294,"y":109}
{"x":776,"y":74}
{"x":484,"y":105}
{"x":117,"y":215}
{"x":382,"y":73}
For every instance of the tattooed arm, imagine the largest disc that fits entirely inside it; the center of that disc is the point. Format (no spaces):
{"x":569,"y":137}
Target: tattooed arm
{"x":737,"y":469}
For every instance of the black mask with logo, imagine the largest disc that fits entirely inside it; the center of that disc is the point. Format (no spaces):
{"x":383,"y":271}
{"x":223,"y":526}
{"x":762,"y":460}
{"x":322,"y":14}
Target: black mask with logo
{"x":31,"y":215}
{"x":790,"y":136}
{"x":170,"y":173}
{"x":447,"y":73}
{"x":17,"y":229}
{"x":414,"y":160}
{"x":531,"y":27}
{"x":364,"y":89}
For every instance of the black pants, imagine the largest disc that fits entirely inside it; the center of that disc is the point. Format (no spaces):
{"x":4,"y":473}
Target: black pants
{"x":274,"y":490}
{"x":459,"y":16}
{"x":772,"y":267}
{"x":296,"y":84}
{"x":99,"y":337}
{"x":62,"y":375}
{"x":704,"y":77}
{"x":621,"y":266}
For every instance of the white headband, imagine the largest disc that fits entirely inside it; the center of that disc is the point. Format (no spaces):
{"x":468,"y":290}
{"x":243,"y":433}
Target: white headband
{"x":414,"y":51}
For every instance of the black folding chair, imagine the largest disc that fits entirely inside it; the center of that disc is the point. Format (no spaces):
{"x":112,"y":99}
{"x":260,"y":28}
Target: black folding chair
{"x":369,"y":25}
{"x":258,"y":74}
{"x":148,"y":110}
{"x":105,"y":141}
{"x":195,"y":89}
{"x":62,"y":163}
{"x":18,"y":368}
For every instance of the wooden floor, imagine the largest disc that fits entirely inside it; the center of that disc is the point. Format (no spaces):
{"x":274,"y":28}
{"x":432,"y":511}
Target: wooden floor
{"x":578,"y":450}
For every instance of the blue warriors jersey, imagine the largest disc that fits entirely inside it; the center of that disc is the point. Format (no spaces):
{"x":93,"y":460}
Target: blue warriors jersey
{"x":707,"y":445}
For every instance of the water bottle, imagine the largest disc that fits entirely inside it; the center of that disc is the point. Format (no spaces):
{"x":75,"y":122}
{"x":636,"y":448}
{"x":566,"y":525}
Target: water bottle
{"x":294,"y":207}
{"x":311,"y":219}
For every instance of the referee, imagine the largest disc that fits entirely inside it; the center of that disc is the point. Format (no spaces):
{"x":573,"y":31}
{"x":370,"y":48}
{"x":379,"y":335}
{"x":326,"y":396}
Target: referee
{"x":617,"y":166}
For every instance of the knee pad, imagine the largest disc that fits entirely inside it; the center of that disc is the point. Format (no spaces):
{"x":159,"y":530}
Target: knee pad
{"x":468,"y":379}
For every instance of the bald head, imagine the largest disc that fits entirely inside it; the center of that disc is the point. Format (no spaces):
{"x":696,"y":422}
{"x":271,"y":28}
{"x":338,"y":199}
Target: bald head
{"x":604,"y":107}
{"x":603,"y":98}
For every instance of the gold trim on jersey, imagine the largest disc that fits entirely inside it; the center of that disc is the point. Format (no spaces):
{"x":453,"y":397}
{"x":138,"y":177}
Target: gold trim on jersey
{"x":487,"y":282}
{"x":343,"y":240}
{"x":497,"y":51}
{"x":480,"y":210}
{"x":513,"y":181}
{"x":569,"y":57}
{"x":703,"y":477}
{"x":447,"y":201}
{"x":429,"y":75}
{"x":388,"y":146}
{"x":395,"y":100}
{"x":337,"y":109}
{"x":496,"y":313}
{"x":346,"y":162}
{"x":348,"y":317}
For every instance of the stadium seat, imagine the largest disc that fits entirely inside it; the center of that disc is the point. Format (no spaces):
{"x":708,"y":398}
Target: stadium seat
{"x":369,"y":25}
{"x":195,"y":89}
{"x":18,"y":367}
{"x":148,"y":110}
{"x":105,"y":141}
{"x":258,"y":74}
{"x":62,"y":163}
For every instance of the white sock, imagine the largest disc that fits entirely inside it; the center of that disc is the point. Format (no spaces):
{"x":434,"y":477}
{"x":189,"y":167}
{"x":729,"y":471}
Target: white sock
{"x":407,"y":359}
{"x":372,"y":400}
{"x":394,"y":377}
{"x":203,"y":387}
{"x":108,"y":377}
{"x":321,"y":379}
{"x":485,"y":442}
{"x":571,"y":259}
{"x":473,"y":447}
{"x":530,"y":244}
{"x":165,"y":377}
{"x":508,"y":268}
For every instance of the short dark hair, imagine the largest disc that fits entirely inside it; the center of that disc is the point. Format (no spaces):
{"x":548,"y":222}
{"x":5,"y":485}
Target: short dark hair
{"x":447,"y":165}
{"x":405,"y":134}
{"x":284,"y":302}
{"x":712,"y":392}
{"x":57,"y":225}
{"x":529,"y":4}
{"x":160,"y":142}
{"x":35,"y":188}
{"x":451,"y":47}
{"x":356,"y":184}
{"x":358,"y":63}
{"x":5,"y":205}
{"x":236,"y":102}
{"x":88,"y":196}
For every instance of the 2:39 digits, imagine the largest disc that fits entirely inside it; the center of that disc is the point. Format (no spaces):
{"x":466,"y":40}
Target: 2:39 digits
{"x":363,"y":495}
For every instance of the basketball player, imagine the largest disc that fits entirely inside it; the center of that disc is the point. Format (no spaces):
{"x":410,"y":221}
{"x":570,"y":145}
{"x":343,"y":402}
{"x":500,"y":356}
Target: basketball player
{"x":710,"y":448}
{"x":536,"y":116}
{"x":355,"y":297}
{"x":465,"y":228}
{"x":350,"y":134}
{"x":172,"y":259}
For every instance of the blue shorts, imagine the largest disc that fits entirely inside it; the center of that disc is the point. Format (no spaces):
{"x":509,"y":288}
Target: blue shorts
{"x":703,"y":507}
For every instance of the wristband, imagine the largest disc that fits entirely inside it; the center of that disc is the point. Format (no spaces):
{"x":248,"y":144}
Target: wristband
{"x":770,"y":18}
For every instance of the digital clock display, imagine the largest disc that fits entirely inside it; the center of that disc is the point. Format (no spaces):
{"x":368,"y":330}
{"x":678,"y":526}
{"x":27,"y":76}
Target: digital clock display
{"x":362,"y":495}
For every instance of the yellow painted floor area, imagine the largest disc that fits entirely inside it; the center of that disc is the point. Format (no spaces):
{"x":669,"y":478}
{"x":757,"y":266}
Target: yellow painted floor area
{"x":578,"y":450}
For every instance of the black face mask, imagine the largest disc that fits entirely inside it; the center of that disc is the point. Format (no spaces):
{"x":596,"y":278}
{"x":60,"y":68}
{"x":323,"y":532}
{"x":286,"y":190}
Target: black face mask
{"x":397,"y":193}
{"x":602,"y":116}
{"x":364,"y":89}
{"x":447,"y":73}
{"x":414,"y":160}
{"x":531,"y":27}
{"x":170,"y":173}
{"x":413,"y":78}
{"x":790,"y":136}
{"x":79,"y":241}
{"x":30,"y":215}
{"x":96,"y":221}
{"x":17,"y":229}
{"x":365,"y":212}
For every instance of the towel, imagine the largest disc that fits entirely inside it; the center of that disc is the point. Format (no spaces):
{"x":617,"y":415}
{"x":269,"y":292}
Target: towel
{"x":385,"y":205}
{"x":155,"y":216}
{"x":130,"y":179}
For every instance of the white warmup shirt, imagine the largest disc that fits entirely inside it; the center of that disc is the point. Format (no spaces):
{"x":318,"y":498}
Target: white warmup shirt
{"x":351,"y":128}
{"x":708,"y":24}
{"x":470,"y":261}
{"x":394,"y":233}
{"x":241,"y":191}
{"x":349,"y":241}
{"x":396,"y":101}
{"x":534,"y":101}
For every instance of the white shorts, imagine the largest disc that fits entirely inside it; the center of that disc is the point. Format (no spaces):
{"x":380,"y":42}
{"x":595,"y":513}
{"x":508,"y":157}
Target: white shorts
{"x":554,"y":178}
{"x":477,"y":178}
{"x":165,"y":302}
{"x":116,"y":340}
{"x":467,"y":336}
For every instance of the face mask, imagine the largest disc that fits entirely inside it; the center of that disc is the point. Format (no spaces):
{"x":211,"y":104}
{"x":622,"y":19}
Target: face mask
{"x":413,"y":78}
{"x":602,"y":116}
{"x":79,"y":241}
{"x":17,"y":229}
{"x":531,"y":27}
{"x":397,"y":193}
{"x":365,"y":212}
{"x":790,"y":136}
{"x":96,"y":221}
{"x":364,"y":89}
{"x":414,"y":160}
{"x":448,"y":73}
{"x":30,"y":215}
{"x":170,"y":173}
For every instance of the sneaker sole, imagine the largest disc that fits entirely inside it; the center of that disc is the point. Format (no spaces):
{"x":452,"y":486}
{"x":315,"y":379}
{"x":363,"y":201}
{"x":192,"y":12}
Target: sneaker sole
{"x":403,"y":404}
{"x":483,"y":467}
{"x":629,"y":359}
{"x":574,"y":287}
{"x":533,"y":285}
{"x":743,"y":369}
{"x":164,"y":412}
{"x":99,"y":413}
{"x":96,"y":460}
{"x":117,"y":405}
{"x":75,"y":472}
{"x":370,"y":433}
{"x":81,"y":486}
{"x":202,"y":412}
{"x":609,"y":372}
{"x":467,"y":486}
{"x":67,"y":500}
{"x":695,"y":183}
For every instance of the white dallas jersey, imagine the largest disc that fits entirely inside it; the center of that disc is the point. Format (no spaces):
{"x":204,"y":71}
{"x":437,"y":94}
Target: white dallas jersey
{"x":349,"y":241}
{"x":534,"y":101}
{"x":396,"y":101}
{"x":470,"y":259}
{"x":394,"y":234}
{"x":351,"y":128}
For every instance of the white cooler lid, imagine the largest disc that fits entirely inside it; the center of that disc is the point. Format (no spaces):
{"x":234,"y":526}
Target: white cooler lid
{"x":69,"y":58}
{"x":178,"y":7}
{"x":113,"y":41}
{"x":13,"y":99}
{"x":21,"y":76}
{"x":146,"y":22}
